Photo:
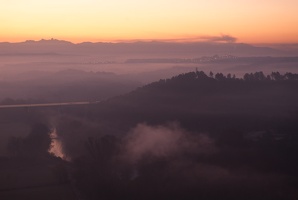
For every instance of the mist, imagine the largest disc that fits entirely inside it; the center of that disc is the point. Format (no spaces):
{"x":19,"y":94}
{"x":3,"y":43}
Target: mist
{"x":165,"y":141}
{"x":60,"y":71}
{"x":172,"y":162}
{"x":213,"y":119}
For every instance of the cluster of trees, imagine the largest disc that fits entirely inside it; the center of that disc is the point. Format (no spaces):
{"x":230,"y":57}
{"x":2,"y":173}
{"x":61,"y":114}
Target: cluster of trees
{"x":257,"y":76}
{"x":36,"y":144}
{"x":199,"y":79}
{"x":233,"y":172}
{"x":275,"y":76}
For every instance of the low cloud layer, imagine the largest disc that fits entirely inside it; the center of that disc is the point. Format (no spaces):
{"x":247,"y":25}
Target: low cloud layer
{"x":221,"y":38}
{"x":163,"y":141}
{"x":208,"y":38}
{"x":187,"y":159}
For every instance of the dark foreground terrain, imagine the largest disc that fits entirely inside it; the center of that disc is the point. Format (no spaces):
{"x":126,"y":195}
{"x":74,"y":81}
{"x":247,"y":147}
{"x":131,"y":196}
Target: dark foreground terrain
{"x":194,"y":136}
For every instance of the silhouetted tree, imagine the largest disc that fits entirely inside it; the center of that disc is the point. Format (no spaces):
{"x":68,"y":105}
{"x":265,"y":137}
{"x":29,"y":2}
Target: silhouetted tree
{"x":277,"y":76}
{"x":249,"y":77}
{"x":38,"y":142}
{"x":268,"y":78}
{"x":201,"y":75}
{"x":291,"y":76}
{"x":98,"y":175}
{"x":259,"y":76}
{"x":219,"y":77}
{"x":246,"y":77}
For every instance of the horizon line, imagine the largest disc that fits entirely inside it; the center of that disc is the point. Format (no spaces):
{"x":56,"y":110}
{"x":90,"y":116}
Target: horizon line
{"x":178,"y":41}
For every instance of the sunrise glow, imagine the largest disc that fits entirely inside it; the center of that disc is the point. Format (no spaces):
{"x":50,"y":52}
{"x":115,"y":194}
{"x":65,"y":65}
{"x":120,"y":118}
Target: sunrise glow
{"x":251,"y":21}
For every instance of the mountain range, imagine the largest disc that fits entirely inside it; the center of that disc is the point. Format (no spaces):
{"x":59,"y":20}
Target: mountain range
{"x":153,"y":48}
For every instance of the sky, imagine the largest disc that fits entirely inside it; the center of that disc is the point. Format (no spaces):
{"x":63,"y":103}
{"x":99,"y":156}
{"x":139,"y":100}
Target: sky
{"x":250,"y":21}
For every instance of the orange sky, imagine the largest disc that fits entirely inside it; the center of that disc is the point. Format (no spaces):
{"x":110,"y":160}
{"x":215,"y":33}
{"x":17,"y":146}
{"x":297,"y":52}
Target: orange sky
{"x":251,"y":21}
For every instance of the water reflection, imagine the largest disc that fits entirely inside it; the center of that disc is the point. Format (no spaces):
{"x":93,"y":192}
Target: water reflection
{"x":56,"y":146}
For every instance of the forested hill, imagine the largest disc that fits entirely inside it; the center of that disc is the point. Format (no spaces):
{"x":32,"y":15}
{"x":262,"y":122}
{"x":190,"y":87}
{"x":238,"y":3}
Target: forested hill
{"x":251,"y":122}
{"x":199,"y":100}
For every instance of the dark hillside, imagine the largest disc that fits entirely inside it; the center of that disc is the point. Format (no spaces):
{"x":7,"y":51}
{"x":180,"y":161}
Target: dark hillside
{"x":193,"y":136}
{"x":203,"y":102}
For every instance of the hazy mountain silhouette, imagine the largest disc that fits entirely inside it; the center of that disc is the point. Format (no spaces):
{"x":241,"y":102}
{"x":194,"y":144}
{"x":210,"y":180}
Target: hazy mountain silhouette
{"x":65,"y":85}
{"x":152,"y":48}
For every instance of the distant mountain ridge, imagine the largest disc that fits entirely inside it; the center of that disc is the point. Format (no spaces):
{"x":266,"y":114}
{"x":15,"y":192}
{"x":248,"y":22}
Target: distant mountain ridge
{"x":152,"y":48}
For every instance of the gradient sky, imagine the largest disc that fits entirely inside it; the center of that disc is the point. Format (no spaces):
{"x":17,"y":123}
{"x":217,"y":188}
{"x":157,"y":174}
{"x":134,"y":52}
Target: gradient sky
{"x":251,"y":21}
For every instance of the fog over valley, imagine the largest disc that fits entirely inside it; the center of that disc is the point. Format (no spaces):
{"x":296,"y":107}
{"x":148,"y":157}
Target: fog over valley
{"x":50,"y":70}
{"x":214,"y":119}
